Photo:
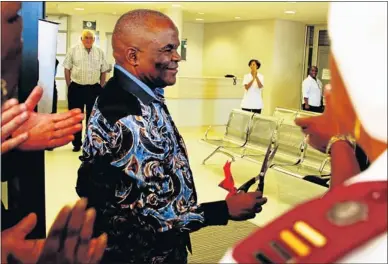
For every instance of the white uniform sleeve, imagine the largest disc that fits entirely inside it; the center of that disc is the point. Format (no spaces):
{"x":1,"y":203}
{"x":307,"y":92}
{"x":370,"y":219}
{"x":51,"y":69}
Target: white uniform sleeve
{"x":306,"y":88}
{"x":261,"y":78}
{"x":68,"y":62}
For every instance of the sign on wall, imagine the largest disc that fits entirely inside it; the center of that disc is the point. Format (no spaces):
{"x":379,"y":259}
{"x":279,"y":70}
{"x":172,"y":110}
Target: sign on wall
{"x":326,"y":74}
{"x":183,"y":49}
{"x":92,"y":25}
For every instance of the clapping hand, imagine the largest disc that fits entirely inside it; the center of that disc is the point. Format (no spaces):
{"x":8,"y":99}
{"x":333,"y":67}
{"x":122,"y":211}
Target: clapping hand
{"x":45,"y":130}
{"x":13,"y":115}
{"x":69,"y":239}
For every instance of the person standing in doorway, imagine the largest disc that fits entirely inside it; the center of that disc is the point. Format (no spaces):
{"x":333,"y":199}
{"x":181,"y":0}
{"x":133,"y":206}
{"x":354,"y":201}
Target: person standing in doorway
{"x":312,"y":92}
{"x":253,"y":83}
{"x":85,"y":73}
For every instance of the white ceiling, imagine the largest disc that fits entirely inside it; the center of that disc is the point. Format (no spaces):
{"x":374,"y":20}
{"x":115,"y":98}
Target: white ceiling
{"x":306,"y":12}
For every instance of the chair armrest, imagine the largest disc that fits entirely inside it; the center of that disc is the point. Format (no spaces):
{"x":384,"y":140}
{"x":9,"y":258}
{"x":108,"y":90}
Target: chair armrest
{"x":206,"y":138}
{"x":207,"y":132}
{"x":324,"y":162}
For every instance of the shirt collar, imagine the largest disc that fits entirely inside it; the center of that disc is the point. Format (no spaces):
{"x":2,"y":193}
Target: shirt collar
{"x":139,"y":89}
{"x":81,"y":45}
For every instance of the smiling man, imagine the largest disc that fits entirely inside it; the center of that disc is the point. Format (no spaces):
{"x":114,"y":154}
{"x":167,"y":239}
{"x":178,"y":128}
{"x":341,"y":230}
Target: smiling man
{"x":135,"y":169}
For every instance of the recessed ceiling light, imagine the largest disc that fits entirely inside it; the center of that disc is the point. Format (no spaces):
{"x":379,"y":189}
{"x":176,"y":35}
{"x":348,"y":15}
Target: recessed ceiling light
{"x":79,"y":9}
{"x":176,"y":5}
{"x":199,"y":19}
{"x":200,"y":13}
{"x":114,"y":13}
{"x":237,"y":17}
{"x":289,"y":12}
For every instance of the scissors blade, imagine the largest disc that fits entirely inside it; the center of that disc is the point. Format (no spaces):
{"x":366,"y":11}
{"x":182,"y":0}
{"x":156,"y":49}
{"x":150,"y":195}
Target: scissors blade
{"x":271,"y":151}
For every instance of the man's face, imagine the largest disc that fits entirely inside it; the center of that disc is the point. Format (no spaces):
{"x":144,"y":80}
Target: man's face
{"x":158,"y":60}
{"x":11,"y":43}
{"x":88,"y":41}
{"x":313,"y":72}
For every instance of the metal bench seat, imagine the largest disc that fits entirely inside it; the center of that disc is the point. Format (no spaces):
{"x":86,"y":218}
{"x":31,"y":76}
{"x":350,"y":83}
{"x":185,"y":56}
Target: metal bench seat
{"x":260,"y":135}
{"x":288,"y":115}
{"x":236,"y":134}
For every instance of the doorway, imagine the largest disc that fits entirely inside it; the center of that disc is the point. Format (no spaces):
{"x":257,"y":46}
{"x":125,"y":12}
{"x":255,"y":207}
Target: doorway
{"x":317,"y":53}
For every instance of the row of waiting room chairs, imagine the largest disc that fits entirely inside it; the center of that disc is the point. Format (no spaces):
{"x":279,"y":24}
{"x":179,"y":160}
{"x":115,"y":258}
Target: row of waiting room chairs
{"x":247,"y":135}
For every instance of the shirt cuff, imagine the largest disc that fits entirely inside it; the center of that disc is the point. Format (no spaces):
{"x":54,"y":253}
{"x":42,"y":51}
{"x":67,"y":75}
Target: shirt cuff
{"x":216,"y":213}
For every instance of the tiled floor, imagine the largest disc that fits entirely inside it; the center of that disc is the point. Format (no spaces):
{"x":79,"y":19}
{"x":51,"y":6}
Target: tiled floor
{"x":282,"y":191}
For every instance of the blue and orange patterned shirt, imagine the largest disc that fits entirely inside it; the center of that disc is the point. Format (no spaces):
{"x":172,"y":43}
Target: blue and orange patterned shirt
{"x":135,"y":171}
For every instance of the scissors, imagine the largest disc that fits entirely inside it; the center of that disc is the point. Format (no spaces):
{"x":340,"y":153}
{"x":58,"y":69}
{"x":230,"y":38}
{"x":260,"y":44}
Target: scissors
{"x":271,"y":150}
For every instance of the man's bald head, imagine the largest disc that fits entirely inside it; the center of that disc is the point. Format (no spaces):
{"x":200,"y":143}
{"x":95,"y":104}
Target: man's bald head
{"x":145,"y":43}
{"x":136,"y":27}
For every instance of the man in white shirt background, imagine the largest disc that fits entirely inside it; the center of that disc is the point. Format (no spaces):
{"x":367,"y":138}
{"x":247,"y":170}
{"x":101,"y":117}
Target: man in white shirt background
{"x":253,"y":83}
{"x":85,"y":73}
{"x":312,"y":91}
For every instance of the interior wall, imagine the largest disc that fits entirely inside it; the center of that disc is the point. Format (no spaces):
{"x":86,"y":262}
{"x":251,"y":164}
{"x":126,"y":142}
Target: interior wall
{"x":229,"y":46}
{"x":287,"y":66}
{"x":217,"y":49}
{"x":104,"y":24}
{"x":192,"y":67}
{"x":277,"y":44}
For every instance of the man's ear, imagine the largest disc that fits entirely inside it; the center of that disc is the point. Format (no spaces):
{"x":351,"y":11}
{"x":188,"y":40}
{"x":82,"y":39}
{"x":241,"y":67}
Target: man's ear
{"x":132,"y":56}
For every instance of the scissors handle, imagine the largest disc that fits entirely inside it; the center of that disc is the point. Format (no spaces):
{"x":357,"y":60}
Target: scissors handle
{"x":245,"y":187}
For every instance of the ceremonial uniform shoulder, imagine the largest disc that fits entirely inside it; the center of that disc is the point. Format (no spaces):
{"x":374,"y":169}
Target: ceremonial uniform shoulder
{"x":323,"y":230}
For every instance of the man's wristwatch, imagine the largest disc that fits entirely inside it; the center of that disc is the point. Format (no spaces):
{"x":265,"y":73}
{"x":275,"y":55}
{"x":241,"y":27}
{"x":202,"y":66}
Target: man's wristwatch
{"x":347,"y":138}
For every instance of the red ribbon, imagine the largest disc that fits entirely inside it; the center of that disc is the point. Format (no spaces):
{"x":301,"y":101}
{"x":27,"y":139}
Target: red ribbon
{"x":228,"y":182}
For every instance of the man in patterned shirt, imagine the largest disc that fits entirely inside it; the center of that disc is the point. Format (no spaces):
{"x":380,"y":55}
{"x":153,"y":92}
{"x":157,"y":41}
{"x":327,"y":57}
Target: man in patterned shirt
{"x":85,"y":74}
{"x":135,"y":170}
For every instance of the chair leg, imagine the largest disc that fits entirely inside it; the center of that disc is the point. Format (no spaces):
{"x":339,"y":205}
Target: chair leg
{"x":243,"y":153}
{"x":211,"y":154}
{"x":218,"y":150}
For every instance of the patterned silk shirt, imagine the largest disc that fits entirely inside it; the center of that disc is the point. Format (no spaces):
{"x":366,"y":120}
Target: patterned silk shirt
{"x":136,"y":173}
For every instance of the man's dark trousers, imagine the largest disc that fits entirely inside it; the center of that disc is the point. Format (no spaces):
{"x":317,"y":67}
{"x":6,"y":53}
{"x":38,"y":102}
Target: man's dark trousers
{"x":80,"y":96}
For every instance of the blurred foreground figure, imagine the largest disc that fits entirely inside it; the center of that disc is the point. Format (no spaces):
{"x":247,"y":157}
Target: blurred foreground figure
{"x":348,"y":224}
{"x":69,"y":240}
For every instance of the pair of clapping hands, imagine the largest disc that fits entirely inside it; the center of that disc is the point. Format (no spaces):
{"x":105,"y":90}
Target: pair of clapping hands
{"x":70,"y":238}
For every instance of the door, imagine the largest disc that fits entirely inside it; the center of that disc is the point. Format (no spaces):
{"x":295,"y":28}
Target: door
{"x":318,"y":53}
{"x":109,"y":54}
{"x":321,"y":53}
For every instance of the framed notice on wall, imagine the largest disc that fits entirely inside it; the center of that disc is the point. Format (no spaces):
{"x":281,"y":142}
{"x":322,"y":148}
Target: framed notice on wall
{"x":92,"y":25}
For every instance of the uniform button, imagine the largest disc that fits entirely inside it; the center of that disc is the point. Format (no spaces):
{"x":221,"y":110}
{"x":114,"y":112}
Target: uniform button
{"x":347,"y":213}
